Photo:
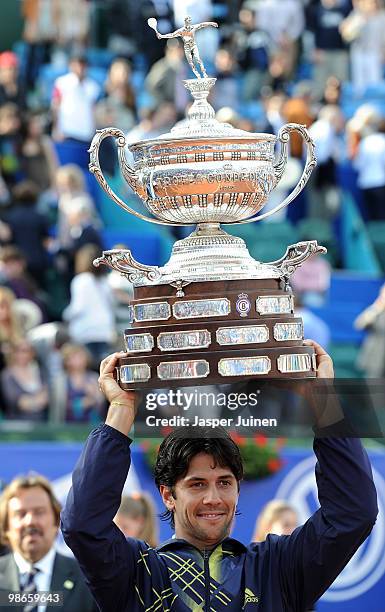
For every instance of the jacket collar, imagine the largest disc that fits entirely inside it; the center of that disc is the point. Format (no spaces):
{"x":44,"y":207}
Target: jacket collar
{"x":228,"y":545}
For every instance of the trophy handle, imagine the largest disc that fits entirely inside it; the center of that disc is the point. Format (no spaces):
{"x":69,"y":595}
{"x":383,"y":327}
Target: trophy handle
{"x":123,"y":261}
{"x":295,"y":255}
{"x":128,"y":173}
{"x":280,"y":165}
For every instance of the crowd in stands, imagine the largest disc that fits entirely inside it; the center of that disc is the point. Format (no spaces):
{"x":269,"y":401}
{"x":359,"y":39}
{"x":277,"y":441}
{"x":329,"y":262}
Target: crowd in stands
{"x":315,"y":62}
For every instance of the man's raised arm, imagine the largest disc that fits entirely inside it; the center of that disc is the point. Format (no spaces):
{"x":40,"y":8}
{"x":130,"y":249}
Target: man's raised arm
{"x":107,"y":560}
{"x":315,"y":554}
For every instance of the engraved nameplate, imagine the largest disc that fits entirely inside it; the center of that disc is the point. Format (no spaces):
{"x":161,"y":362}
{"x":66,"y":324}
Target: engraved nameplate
{"x":288,"y":331}
{"x":195,"y":309}
{"x":138,"y":372}
{"x":154,"y":311}
{"x":273,"y":304}
{"x":294,"y":363}
{"x":244,"y":366}
{"x":173,"y":370}
{"x":177,"y":341}
{"x":139,"y":342}
{"x":252,"y":334}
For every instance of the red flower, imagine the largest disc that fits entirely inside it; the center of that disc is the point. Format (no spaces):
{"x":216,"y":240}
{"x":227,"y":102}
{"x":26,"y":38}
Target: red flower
{"x":274,"y":465}
{"x":260,"y":440}
{"x":166,"y":430}
{"x":239,"y":440}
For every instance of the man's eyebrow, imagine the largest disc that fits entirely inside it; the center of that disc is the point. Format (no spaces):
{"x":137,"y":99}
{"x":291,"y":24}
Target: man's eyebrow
{"x":190,"y":478}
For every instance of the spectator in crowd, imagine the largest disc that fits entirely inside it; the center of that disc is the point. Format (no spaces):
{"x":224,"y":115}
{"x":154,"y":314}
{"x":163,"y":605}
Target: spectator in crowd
{"x":14,"y":275}
{"x":90,"y":313}
{"x":29,"y":229}
{"x":274,"y":104}
{"x":118,"y":107}
{"x":73,"y":103}
{"x":164,"y":78}
{"x":372,"y":355}
{"x":298,"y":109}
{"x":82,"y":401}
{"x":155,"y":122}
{"x":312,"y":281}
{"x":29,"y":523}
{"x":24,"y":390}
{"x":123,"y":295}
{"x":39,"y":161}
{"x":47,"y":340}
{"x":136,"y":517}
{"x":326,"y":133}
{"x":278,"y":517}
{"x":226,"y":91}
{"x":71,"y":189}
{"x":331,"y":56}
{"x":253,"y":52}
{"x":364,"y":29}
{"x":81,"y":224}
{"x":10,"y":142}
{"x":12,"y":89}
{"x":284,"y":22}
{"x":38,"y":35}
{"x":370,"y":164}
{"x":11,"y":329}
{"x":72,"y":33}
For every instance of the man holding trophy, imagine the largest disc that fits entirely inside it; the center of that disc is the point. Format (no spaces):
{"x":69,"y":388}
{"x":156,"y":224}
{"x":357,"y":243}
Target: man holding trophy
{"x":198,"y":477}
{"x":211,"y":315}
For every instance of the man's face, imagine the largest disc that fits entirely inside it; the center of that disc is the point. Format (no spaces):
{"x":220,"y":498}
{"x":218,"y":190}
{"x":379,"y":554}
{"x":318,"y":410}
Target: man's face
{"x":79,"y":68}
{"x":204,"y":503}
{"x":31,"y":523}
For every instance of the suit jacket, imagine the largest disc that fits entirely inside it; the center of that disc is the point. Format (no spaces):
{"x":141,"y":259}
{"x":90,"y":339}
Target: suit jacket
{"x":66,"y":577}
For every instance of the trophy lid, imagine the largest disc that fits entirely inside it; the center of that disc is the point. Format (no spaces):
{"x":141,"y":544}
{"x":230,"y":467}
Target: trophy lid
{"x":200,"y":122}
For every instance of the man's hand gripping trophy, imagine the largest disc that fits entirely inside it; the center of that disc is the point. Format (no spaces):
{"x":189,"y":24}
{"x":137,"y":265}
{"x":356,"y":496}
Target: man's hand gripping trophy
{"x":187,"y":34}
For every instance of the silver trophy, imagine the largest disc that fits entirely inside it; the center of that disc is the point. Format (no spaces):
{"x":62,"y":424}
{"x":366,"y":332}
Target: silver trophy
{"x":211,"y":312}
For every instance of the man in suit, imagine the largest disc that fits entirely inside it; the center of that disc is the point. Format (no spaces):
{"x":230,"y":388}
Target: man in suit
{"x":29,"y":522}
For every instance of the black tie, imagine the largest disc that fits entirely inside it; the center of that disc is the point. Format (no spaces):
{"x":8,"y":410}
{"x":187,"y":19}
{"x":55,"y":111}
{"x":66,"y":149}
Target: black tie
{"x":30,"y":588}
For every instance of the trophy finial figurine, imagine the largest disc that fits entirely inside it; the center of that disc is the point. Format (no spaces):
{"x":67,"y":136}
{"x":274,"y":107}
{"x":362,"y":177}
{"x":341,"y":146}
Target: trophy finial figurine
{"x":187,"y":34}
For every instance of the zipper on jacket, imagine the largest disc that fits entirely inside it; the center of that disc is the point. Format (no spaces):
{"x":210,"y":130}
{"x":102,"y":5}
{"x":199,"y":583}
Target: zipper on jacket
{"x":206,"y":556}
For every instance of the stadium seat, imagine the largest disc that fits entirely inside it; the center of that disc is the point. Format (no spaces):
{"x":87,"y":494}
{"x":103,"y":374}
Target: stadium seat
{"x":100,"y":57}
{"x":70,"y":152}
{"x":146,"y":251}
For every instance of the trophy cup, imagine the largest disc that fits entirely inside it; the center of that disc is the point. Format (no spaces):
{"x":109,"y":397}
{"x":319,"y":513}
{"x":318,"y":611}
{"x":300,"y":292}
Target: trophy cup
{"x":212,"y":314}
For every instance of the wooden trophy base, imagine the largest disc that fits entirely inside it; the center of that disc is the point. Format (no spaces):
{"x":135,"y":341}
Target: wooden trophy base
{"x":213,"y":332}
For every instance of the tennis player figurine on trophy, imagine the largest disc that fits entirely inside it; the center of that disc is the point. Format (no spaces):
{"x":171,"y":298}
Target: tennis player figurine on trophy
{"x":212,"y":314}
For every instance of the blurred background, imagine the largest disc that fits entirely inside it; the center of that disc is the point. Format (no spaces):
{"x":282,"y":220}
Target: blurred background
{"x":68,"y":68}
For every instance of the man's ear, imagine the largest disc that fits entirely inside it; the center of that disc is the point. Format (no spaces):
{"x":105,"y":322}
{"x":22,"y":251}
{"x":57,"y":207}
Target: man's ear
{"x":167,"y":496}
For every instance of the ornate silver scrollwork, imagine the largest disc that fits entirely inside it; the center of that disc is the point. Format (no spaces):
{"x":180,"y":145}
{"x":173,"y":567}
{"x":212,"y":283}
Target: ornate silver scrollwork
{"x":295,"y":255}
{"x":122,"y":261}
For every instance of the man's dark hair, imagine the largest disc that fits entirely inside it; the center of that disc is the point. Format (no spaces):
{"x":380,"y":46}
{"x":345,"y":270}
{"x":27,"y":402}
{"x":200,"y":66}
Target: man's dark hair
{"x":182,"y":445}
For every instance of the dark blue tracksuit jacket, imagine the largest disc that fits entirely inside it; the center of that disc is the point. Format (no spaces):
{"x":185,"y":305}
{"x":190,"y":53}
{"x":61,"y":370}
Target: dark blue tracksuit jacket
{"x":284,"y":573}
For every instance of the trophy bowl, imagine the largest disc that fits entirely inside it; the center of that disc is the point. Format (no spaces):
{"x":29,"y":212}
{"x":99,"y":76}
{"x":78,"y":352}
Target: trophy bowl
{"x":203,"y":171}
